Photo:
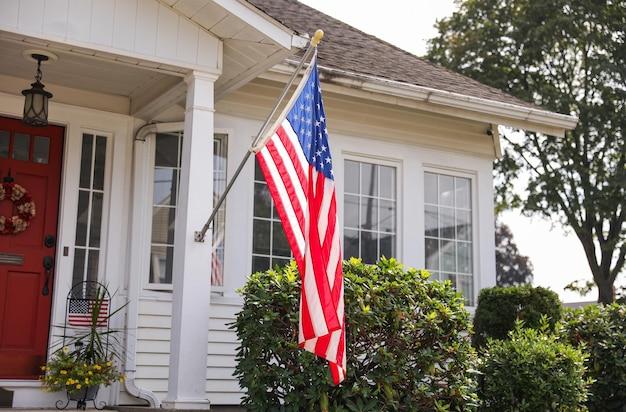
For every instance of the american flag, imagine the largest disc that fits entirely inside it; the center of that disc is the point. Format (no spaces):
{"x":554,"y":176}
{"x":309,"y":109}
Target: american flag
{"x":298,"y":167}
{"x":80,"y":312}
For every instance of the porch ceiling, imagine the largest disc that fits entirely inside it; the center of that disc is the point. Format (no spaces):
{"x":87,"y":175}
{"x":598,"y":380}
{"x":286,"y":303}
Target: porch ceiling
{"x":83,"y":72}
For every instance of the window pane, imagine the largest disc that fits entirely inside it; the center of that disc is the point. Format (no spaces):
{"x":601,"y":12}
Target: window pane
{"x":261,"y":237}
{"x":85,"y":161}
{"x":451,"y":277}
{"x":387,"y":182}
{"x":446,"y":222}
{"x":165,"y":182}
{"x":430,"y":189}
{"x":96,"y":219}
{"x":163,"y":225}
{"x":463,"y":225}
{"x":464,"y":257}
{"x":387,"y":216}
{"x":387,"y":245}
{"x":166,"y":153}
{"x":466,"y":287}
{"x":260,"y":263}
{"x":82,"y":218}
{"x":369,"y":179}
{"x":41,"y":149}
{"x":79,"y":266}
{"x":4,"y":143}
{"x":431,"y":221}
{"x":446,"y":190}
{"x":350,"y":243}
{"x":351,"y":173}
{"x":262,"y":201}
{"x":432,"y":254}
{"x":161,"y":262}
{"x":280,"y":245}
{"x":369,"y":247}
{"x":92,"y":265}
{"x":448,"y":255}
{"x":351,"y":211}
{"x":280,"y":262}
{"x":258,"y":174}
{"x":369,"y":213}
{"x":21,"y":144}
{"x":463,"y":199}
{"x":98,"y":168}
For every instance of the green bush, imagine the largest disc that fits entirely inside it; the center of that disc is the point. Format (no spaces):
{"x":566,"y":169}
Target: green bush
{"x":500,"y":307}
{"x":408,"y":345}
{"x":532,"y":371}
{"x":601,"y":331}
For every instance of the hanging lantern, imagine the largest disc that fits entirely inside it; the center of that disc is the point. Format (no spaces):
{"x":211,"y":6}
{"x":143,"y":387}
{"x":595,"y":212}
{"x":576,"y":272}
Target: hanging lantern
{"x":36,"y":98}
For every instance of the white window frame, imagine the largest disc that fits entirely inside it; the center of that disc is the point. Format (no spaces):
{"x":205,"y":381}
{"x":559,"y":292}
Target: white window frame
{"x":106,"y":189}
{"x":381,"y":161}
{"x":148,"y":179}
{"x":472,"y":176}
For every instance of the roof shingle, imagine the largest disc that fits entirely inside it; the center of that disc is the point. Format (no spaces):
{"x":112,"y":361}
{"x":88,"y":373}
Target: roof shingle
{"x":347,"y":48}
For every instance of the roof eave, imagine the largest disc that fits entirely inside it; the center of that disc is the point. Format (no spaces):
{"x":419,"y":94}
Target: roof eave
{"x":272,"y":28}
{"x":454,"y":104}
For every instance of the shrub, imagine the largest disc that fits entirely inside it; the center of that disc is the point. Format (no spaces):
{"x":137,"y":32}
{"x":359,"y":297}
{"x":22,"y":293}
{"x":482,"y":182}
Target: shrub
{"x":601,"y":330}
{"x":500,"y":307}
{"x":408,"y":344}
{"x":532,"y":371}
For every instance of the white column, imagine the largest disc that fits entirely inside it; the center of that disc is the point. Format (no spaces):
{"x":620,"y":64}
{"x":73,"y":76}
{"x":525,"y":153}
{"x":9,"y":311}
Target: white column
{"x":192,"y":260}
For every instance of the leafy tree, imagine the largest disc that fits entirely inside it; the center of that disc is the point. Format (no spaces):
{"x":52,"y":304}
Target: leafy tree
{"x":567,"y":56}
{"x":512,"y":268}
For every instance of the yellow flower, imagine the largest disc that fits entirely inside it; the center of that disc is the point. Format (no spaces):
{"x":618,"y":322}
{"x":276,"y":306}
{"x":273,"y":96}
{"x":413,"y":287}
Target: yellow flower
{"x":90,"y":373}
{"x":63,"y":372}
{"x":109,"y":363}
{"x":86,"y":381}
{"x":122,"y":378}
{"x":68,"y":382}
{"x":43,"y":368}
{"x":78,"y":386}
{"x":66,"y":349}
{"x":97,"y":367}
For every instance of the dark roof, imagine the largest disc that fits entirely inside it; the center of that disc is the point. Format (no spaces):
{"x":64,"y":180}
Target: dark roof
{"x":352,"y":50}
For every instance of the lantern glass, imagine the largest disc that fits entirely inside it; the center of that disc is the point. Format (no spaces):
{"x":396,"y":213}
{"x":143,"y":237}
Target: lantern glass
{"x":36,"y":105}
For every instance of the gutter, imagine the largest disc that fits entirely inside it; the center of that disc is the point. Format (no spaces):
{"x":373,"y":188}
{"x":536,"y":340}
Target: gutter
{"x":134,"y":284}
{"x":515,"y":113}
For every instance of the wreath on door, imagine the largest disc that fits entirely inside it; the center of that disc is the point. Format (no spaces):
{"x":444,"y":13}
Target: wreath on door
{"x":23,"y":202}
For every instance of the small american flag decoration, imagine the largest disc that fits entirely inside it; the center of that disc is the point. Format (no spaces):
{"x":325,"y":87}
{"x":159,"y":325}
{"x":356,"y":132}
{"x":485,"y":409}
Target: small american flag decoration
{"x":81,"y":312}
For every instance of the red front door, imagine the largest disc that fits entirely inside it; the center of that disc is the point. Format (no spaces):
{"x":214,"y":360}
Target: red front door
{"x":32,"y":156}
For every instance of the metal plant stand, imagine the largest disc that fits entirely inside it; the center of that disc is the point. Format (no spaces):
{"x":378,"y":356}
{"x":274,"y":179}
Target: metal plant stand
{"x":80,"y":302}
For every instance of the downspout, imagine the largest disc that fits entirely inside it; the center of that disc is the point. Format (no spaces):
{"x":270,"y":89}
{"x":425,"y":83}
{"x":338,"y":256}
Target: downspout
{"x":137,"y":238}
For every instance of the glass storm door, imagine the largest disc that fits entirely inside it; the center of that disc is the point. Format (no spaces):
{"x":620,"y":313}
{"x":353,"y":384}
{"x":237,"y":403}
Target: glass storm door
{"x":32,"y":157}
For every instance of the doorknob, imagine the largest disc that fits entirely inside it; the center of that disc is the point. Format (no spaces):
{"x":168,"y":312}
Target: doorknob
{"x":48,"y":264}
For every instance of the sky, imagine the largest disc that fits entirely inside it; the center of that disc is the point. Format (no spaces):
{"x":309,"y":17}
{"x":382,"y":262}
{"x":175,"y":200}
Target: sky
{"x":557,"y":255}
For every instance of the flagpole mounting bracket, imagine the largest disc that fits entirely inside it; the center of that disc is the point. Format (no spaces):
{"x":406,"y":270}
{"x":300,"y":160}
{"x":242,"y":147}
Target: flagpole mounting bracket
{"x":198,"y":236}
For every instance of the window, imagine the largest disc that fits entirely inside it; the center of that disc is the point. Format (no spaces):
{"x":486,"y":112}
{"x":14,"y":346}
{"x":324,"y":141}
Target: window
{"x":448,"y":231}
{"x":370,"y":209}
{"x":166,"y":180}
{"x":220,"y":151}
{"x":269,"y":243}
{"x":90,"y":202}
{"x":167,"y":154}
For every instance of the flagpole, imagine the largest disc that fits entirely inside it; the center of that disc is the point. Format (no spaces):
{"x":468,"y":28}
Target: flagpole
{"x":315,"y":40}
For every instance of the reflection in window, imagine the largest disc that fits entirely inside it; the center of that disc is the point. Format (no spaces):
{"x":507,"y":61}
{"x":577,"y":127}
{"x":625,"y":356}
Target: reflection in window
{"x":269,"y":243}
{"x":448,"y":231}
{"x":220,"y":151}
{"x":369,"y":211}
{"x":166,"y":181}
{"x":90,"y":204}
{"x":165,"y":195}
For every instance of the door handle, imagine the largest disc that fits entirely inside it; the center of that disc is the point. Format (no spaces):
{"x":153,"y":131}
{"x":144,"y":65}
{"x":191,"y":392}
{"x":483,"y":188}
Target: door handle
{"x":48,"y":264}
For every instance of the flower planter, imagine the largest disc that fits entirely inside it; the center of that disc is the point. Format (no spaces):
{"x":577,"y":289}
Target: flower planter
{"x":81,"y":397}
